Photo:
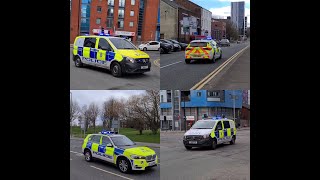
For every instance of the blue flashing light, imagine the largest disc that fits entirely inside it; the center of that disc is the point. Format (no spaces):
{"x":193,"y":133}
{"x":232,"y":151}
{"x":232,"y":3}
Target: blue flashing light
{"x":106,"y":132}
{"x":216,"y":118}
{"x":209,"y":38}
{"x":102,"y":34}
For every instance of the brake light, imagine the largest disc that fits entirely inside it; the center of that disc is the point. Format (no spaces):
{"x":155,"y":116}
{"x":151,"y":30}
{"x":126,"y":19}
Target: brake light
{"x":188,"y":48}
{"x":207,"y":48}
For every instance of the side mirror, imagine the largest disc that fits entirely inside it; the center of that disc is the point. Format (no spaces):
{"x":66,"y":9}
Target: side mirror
{"x":109,"y":145}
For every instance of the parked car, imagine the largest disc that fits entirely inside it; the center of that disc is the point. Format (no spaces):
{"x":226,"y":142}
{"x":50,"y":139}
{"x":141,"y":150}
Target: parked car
{"x":224,"y":42}
{"x":165,"y":47}
{"x":151,"y":45}
{"x":176,"y":47}
{"x":183,"y":45}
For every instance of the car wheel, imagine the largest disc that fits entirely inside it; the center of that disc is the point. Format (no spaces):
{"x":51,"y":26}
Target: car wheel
{"x":124,"y":165}
{"x":87,"y":156}
{"x":188,"y":147}
{"x":144,"y":49}
{"x":77,"y":62}
{"x":116,"y":70}
{"x":161,"y":50}
{"x":187,"y":61}
{"x":214,"y":144}
{"x":233,"y":140}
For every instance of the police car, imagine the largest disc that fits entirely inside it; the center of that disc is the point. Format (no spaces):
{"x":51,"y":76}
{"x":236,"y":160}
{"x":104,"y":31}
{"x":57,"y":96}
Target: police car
{"x":210,"y":132}
{"x":119,"y":150}
{"x":203,"y":50}
{"x":113,"y":53}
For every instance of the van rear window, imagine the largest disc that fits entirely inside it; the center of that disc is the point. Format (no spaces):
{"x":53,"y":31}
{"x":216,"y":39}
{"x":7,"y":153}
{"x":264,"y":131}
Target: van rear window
{"x":198,"y":44}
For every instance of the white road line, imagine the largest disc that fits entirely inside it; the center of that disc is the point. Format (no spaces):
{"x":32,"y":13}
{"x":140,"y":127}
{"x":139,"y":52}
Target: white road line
{"x":171,"y":64}
{"x":111,"y":173}
{"x":77,"y":153}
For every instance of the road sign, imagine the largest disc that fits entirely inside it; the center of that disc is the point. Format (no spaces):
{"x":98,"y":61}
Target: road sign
{"x":115,"y":124}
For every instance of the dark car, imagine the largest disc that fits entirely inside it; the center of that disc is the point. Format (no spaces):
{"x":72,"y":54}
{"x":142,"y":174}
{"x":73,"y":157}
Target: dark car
{"x":224,"y":42}
{"x":165,"y":47}
{"x":176,"y":47}
{"x":183,"y":45}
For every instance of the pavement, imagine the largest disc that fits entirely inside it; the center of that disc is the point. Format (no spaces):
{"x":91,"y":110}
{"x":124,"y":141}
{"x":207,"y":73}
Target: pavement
{"x":176,"y":74}
{"x":236,"y":76}
{"x":93,"y":78}
{"x":227,"y":162}
{"x":100,"y":170}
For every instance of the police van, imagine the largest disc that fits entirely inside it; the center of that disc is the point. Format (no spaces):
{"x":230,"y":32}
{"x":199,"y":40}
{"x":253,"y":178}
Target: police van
{"x":113,"y":53}
{"x":210,"y":132}
{"x":118,"y":150}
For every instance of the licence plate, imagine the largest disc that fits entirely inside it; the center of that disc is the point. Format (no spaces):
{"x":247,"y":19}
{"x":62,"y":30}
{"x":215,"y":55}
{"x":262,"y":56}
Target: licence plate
{"x":193,"y":142}
{"x":144,"y":67}
{"x":152,"y":163}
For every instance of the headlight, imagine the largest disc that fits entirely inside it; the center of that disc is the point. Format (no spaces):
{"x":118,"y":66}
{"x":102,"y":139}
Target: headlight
{"x":130,"y":59}
{"x":206,"y":135}
{"x":137,"y":157}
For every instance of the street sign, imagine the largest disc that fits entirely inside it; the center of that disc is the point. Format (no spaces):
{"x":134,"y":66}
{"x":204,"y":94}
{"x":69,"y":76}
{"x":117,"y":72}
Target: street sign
{"x":115,"y":124}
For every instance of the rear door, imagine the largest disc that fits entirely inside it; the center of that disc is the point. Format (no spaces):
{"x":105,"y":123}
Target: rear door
{"x":219,"y":132}
{"x":215,"y":49}
{"x":95,"y":146}
{"x":107,"y":152}
{"x":227,"y":131}
{"x":89,"y":50}
{"x":103,"y":55}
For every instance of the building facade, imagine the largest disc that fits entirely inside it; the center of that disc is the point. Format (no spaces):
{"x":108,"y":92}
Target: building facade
{"x":197,"y":104}
{"x":168,"y":19}
{"x":206,"y":16}
{"x":245,"y":113}
{"x":128,"y":18}
{"x":218,"y":29}
{"x":238,"y":15}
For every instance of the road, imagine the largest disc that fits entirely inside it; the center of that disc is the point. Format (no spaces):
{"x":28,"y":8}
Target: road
{"x":176,"y":74}
{"x":99,"y":170}
{"x":92,"y":78}
{"x":227,"y":162}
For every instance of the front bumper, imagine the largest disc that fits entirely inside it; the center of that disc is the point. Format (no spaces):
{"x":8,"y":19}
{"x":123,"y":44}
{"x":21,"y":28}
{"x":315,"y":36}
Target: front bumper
{"x":142,"y":164}
{"x":200,"y":143}
{"x":135,"y":67}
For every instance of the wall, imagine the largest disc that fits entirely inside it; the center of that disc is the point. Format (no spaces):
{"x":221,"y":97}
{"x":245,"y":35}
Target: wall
{"x":149,"y":26}
{"x":168,"y":21}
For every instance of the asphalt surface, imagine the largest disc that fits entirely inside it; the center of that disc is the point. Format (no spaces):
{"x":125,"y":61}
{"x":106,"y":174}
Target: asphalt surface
{"x":227,"y":162}
{"x":100,"y":170}
{"x":93,"y":78}
{"x":176,"y":74}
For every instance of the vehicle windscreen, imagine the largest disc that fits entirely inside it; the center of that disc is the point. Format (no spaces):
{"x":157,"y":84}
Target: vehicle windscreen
{"x":122,"y":141}
{"x":175,"y":41}
{"x":204,"y":125}
{"x":198,"y":44}
{"x":122,"y":43}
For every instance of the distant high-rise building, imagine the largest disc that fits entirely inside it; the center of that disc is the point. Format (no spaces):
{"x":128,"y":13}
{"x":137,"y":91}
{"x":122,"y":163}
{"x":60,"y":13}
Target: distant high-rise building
{"x":237,"y":16}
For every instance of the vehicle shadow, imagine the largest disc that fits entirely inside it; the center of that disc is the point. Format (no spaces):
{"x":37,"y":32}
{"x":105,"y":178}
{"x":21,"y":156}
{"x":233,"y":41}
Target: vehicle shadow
{"x":102,"y":70}
{"x":219,"y":146}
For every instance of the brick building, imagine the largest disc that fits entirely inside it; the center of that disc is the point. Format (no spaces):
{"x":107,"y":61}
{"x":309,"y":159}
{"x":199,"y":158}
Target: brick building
{"x":218,"y":29}
{"x":135,"y":19}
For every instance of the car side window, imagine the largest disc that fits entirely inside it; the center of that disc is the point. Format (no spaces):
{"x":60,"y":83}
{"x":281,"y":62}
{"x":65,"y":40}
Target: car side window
{"x":103,"y":43}
{"x":90,"y":42}
{"x":90,"y":138}
{"x":226,"y":124}
{"x":219,"y":126}
{"x":96,"y":139}
{"x":153,"y":43}
{"x":105,"y":140}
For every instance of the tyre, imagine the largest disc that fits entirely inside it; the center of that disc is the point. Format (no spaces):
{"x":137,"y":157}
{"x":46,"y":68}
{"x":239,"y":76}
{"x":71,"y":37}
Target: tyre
{"x":214,"y":144}
{"x":233,"y":140}
{"x":116,"y":70}
{"x":161,"y":50}
{"x":87,"y":156}
{"x":124,"y":165}
{"x":188,"y":147}
{"x":77,"y":62}
{"x":144,"y":49}
{"x":187,"y":61}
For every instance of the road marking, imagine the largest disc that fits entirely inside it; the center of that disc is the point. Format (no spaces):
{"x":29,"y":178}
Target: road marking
{"x":77,"y":153}
{"x":111,"y":173}
{"x":171,"y":64}
{"x":210,"y":76}
{"x":156,"y":62}
{"x":70,"y":159}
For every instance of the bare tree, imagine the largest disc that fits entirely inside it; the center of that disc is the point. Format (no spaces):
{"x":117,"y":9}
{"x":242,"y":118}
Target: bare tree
{"x":93,"y":112}
{"x":136,"y":119}
{"x":86,"y":116}
{"x":231,"y":30}
{"x":111,"y":110}
{"x":74,"y":110}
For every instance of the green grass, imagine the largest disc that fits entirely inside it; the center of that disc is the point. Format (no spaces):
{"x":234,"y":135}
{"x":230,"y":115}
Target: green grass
{"x":132,"y":134}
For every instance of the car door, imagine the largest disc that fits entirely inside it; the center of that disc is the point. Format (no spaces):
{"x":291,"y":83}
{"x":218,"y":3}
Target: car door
{"x":103,"y":55}
{"x":155,"y":45}
{"x":216,"y":50}
{"x":95,"y":146}
{"x":219,"y":132}
{"x":107,"y":149}
{"x":227,"y":131}
{"x":89,"y":50}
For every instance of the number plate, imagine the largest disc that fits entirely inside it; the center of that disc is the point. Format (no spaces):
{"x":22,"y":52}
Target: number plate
{"x":144,"y":67}
{"x":193,"y":142}
{"x":152,"y":163}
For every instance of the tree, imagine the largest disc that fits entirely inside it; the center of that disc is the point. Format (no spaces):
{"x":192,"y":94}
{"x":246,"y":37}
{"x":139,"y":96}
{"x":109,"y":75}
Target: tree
{"x":231,"y":30}
{"x":93,"y":112}
{"x":86,"y":117}
{"x":111,"y":110}
{"x":74,"y":110}
{"x":136,"y":120}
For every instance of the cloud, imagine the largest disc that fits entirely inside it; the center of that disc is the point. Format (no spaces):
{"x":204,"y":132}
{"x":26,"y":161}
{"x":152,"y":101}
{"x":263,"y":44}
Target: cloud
{"x":223,"y":12}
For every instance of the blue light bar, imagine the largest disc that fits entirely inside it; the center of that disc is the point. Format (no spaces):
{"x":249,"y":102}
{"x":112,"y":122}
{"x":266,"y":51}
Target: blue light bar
{"x":209,"y":38}
{"x":106,"y":132}
{"x":102,"y":34}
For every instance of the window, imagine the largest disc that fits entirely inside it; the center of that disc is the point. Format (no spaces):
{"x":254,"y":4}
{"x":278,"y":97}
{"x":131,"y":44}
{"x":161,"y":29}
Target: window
{"x":99,"y":9}
{"x":219,"y":126}
{"x":226,"y":124}
{"x":133,"y":2}
{"x":121,"y":3}
{"x":110,"y":22}
{"x":89,"y":42}
{"x":121,"y":13}
{"x":98,"y":20}
{"x":120,"y":23}
{"x":90,"y":138}
{"x":213,"y":93}
{"x":110,"y":12}
{"x":161,"y":98}
{"x":111,"y":2}
{"x":153,"y":43}
{"x":105,"y":140}
{"x":131,"y":24}
{"x":96,"y":139}
{"x":103,"y":43}
{"x":198,"y":94}
{"x":120,"y":43}
{"x":131,"y":13}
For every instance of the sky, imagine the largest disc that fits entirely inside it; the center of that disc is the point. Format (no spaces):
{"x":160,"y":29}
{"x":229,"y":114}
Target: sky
{"x":222,"y":8}
{"x":85,"y":97}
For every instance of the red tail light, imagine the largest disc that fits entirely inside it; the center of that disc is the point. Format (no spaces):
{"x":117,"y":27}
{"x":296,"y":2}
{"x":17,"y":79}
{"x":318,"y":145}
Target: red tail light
{"x":188,"y":48}
{"x":207,"y":48}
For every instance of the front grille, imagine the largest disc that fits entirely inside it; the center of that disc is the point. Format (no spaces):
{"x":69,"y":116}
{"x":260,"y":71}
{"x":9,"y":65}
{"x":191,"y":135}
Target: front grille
{"x":151,"y":158}
{"x":143,"y":61}
{"x":194,"y":138}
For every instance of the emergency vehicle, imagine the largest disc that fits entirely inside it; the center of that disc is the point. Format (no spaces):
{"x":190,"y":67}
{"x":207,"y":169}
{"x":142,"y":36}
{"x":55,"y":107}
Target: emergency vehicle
{"x":203,"y":50}
{"x":210,"y":132}
{"x":118,"y":150}
{"x":116,"y":54}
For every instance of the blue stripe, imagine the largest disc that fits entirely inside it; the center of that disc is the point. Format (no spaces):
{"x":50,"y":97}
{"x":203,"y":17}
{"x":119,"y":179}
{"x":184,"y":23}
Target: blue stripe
{"x":110,"y":56}
{"x":102,"y":148}
{"x":217,"y":134}
{"x":225,"y":133}
{"x":118,"y":151}
{"x":93,"y":53}
{"x":89,"y":144}
{"x":80,"y":51}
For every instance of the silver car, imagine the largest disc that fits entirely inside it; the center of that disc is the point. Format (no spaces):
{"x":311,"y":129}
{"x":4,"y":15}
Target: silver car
{"x":224,"y":42}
